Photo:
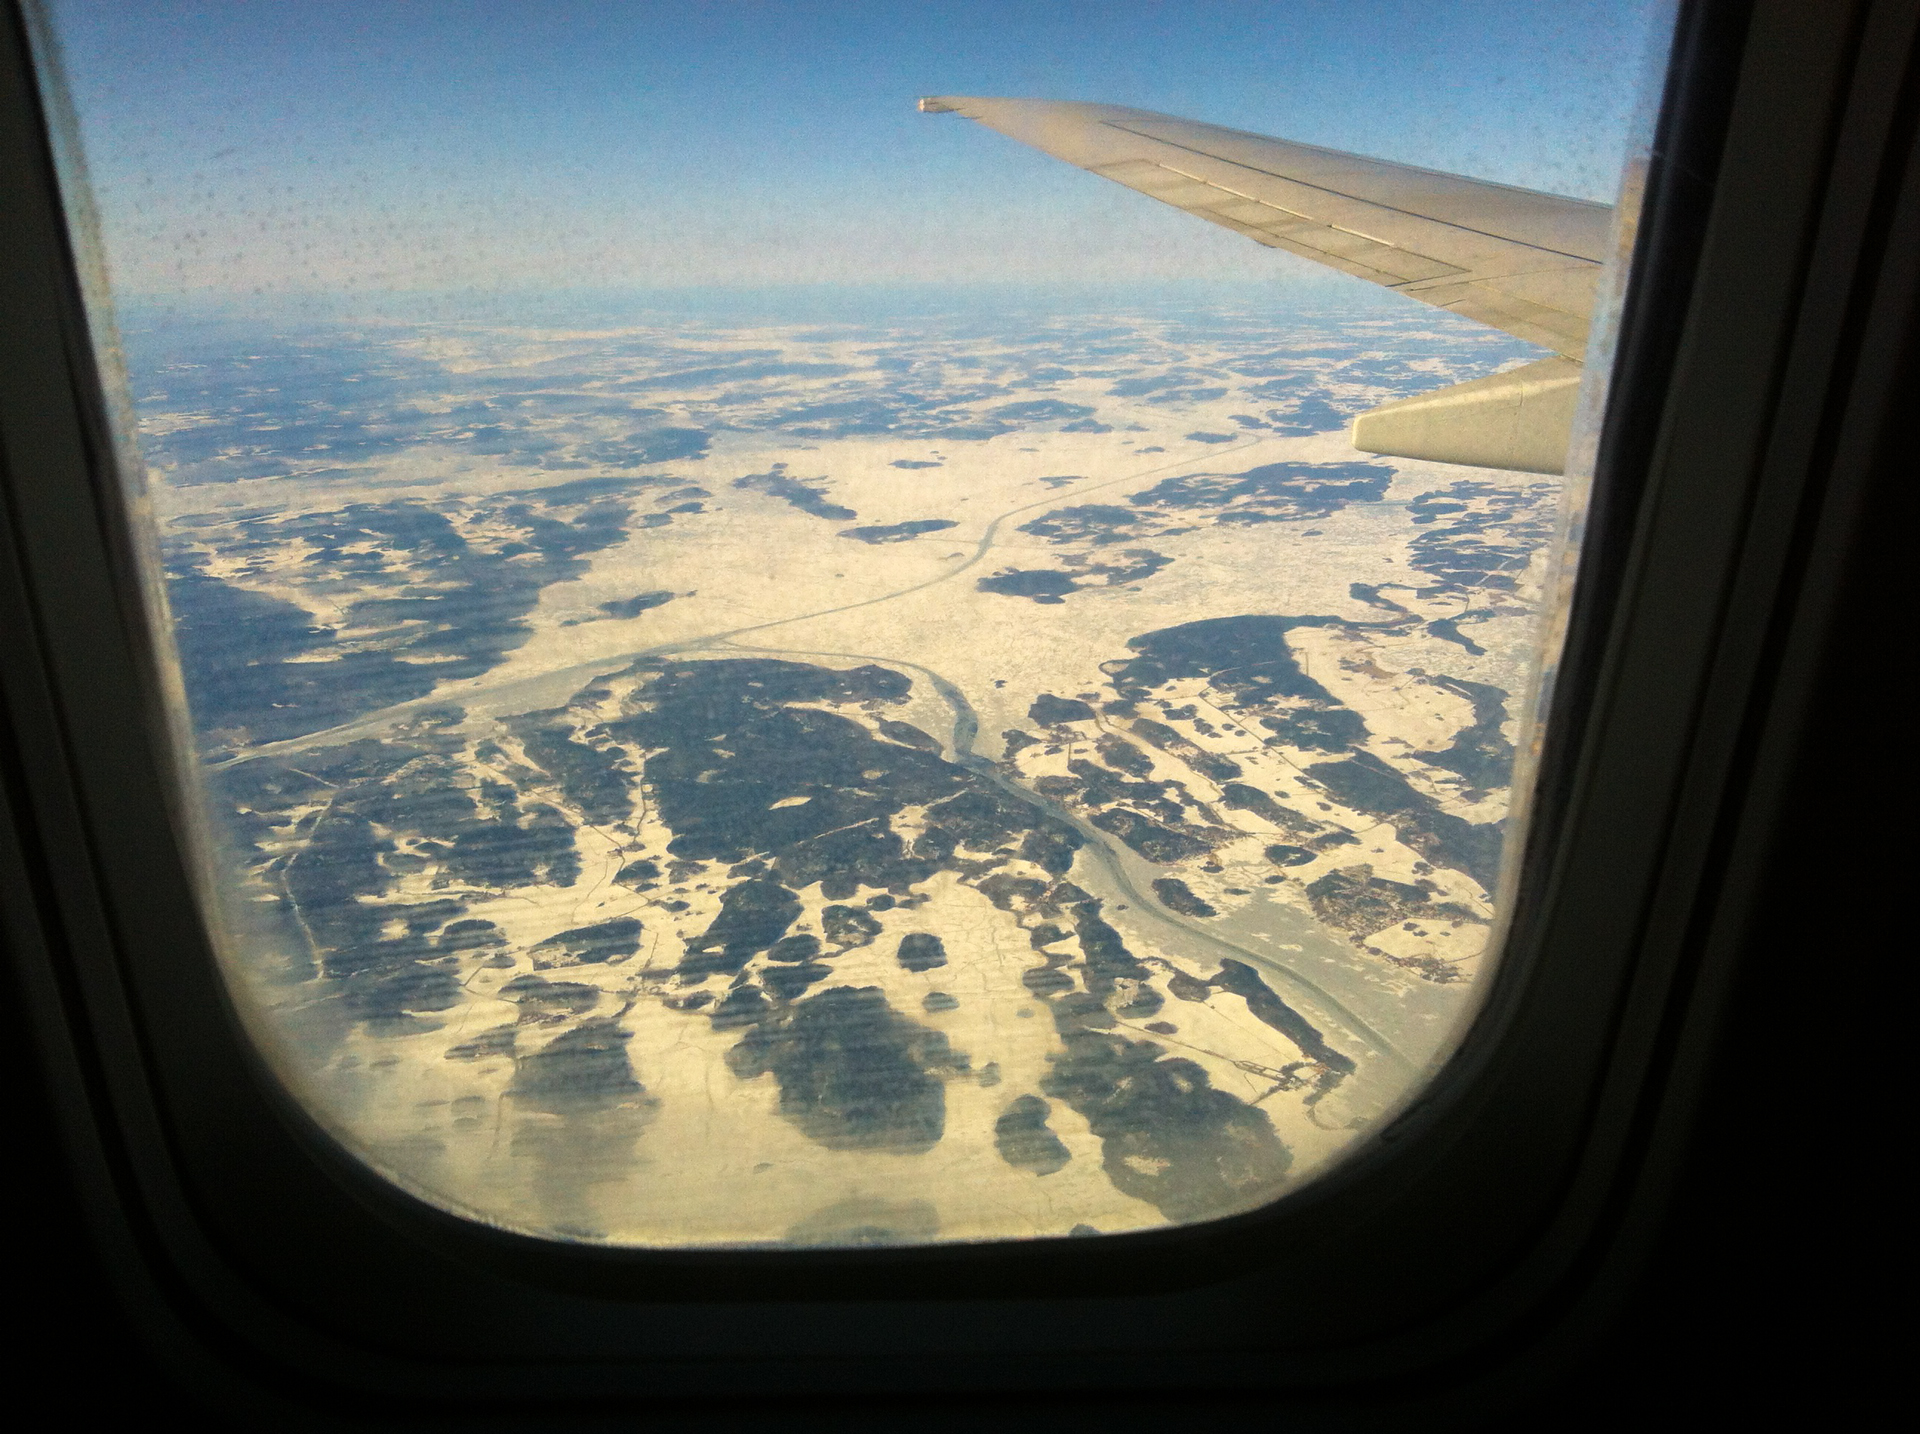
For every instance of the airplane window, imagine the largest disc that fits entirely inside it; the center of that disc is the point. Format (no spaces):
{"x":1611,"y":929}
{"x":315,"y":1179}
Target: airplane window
{"x":766,"y":666}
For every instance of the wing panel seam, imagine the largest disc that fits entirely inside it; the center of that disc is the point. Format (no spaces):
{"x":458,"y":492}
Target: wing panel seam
{"x":1340,"y":194}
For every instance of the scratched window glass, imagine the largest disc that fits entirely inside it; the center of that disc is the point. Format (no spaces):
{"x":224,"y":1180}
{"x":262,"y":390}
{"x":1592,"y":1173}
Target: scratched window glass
{"x":769,"y":664}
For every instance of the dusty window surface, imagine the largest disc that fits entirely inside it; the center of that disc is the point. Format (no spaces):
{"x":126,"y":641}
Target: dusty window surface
{"x":767,"y":668}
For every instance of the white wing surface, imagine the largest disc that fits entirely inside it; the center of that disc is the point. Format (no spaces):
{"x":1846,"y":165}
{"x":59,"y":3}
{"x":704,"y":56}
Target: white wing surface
{"x":1515,"y":259}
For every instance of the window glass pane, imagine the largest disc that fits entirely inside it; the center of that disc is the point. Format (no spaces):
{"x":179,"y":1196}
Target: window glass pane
{"x":766,"y":667}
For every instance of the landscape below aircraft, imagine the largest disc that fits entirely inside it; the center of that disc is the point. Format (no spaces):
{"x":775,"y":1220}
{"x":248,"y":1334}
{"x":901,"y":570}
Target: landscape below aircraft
{"x":1523,"y":262}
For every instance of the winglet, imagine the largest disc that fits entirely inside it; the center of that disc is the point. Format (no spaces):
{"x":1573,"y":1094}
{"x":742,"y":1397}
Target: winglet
{"x":931,"y":106}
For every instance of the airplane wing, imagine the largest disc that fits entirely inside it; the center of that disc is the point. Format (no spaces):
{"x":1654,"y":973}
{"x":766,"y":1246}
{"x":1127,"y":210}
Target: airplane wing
{"x":1520,"y":261}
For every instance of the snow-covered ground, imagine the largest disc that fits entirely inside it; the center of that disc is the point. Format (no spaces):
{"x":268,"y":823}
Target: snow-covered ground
{"x":1252,"y":694}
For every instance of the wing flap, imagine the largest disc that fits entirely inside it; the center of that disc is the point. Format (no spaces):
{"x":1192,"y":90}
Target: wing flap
{"x":1275,"y":224}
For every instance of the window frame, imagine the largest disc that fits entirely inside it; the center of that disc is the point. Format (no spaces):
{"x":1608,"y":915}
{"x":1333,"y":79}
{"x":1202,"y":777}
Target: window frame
{"x":1488,"y":1216}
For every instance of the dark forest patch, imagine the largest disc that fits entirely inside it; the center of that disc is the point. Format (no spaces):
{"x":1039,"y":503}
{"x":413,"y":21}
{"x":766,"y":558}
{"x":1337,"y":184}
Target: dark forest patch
{"x":1098,"y":524}
{"x":1480,"y":753}
{"x":1175,"y":386}
{"x":587,"y":490}
{"x":898,"y":532}
{"x":447,"y":586}
{"x":544,"y":1002}
{"x":1305,"y":413}
{"x":518,"y":847}
{"x":584,"y":945}
{"x":1040,"y":410}
{"x":728,"y":745}
{"x":854,"y":1074}
{"x":1317,"y":728}
{"x":848,"y":926}
{"x":1176,"y":895}
{"x":1241,"y":797}
{"x":1023,"y":1138}
{"x":1043,"y":585}
{"x":752,"y":916}
{"x":808,"y":497}
{"x":1106,"y":964}
{"x":497,"y":1041}
{"x":1246,"y":655}
{"x":236,"y":647}
{"x":908,"y":735}
{"x":471,"y":935}
{"x":788,"y":982}
{"x":1158,"y":734}
{"x":1243,"y":981}
{"x":803,"y":946}
{"x":594,"y":780}
{"x":1123,"y":756}
{"x":1128,"y":565}
{"x":1155,"y":841}
{"x":1167,"y":1136}
{"x":398,"y":810}
{"x":1086,"y":530}
{"x":638,"y":874}
{"x":1481,"y":535}
{"x":637,"y":604}
{"x":1367,"y":784}
{"x":583,"y":1069}
{"x":1354,"y":900}
{"x":1273,"y":492}
{"x":1047,"y":710}
{"x":659,"y":445}
{"x":922,"y":951}
{"x":1448,"y":630}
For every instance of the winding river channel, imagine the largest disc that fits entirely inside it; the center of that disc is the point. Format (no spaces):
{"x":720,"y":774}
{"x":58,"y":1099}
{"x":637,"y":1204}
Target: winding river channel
{"x":1122,"y":890}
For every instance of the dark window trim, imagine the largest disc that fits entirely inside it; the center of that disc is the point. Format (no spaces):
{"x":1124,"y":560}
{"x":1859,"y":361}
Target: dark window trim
{"x":251,"y":1250}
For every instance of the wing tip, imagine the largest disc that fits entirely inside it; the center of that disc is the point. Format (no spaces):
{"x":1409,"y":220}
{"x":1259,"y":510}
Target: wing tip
{"x":934,"y":105}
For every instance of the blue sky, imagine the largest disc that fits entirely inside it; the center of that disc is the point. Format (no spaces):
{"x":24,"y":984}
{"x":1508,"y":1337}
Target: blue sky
{"x":283,"y":148}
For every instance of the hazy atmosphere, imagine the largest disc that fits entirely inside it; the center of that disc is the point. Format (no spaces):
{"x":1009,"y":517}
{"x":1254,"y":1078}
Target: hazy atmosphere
{"x":241,"y":147}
